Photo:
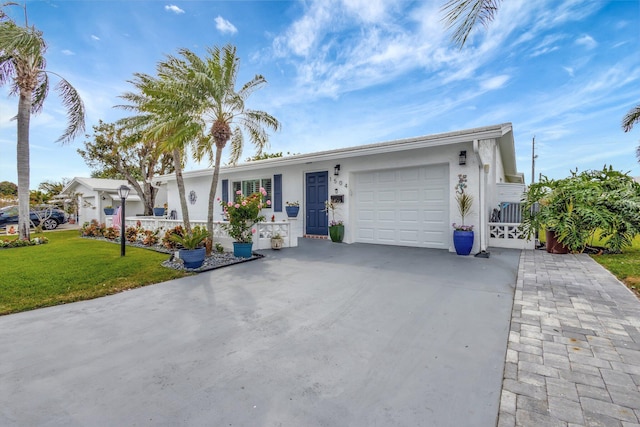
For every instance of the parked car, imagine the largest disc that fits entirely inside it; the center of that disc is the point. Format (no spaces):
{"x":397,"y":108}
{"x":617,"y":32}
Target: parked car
{"x":53,"y":217}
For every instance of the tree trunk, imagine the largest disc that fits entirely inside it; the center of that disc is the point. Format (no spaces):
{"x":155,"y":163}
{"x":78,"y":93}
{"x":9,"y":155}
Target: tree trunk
{"x":181,"y":191}
{"x":23,"y":118}
{"x":212,"y":195}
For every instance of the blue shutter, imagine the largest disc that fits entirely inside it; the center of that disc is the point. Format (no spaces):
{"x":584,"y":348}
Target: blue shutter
{"x":225,"y":190}
{"x":277,"y":193}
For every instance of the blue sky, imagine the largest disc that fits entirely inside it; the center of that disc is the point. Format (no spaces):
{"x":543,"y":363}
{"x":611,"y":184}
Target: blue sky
{"x":351,"y":72}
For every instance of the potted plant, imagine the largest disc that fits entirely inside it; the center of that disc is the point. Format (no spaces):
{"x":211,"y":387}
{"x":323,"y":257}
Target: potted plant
{"x":292,"y":209}
{"x":463,"y":234}
{"x":573,"y":210}
{"x":336,"y":228}
{"x":277,"y":241}
{"x":243,"y":213}
{"x":159,"y":211}
{"x":109,"y":210}
{"x":192,"y":250}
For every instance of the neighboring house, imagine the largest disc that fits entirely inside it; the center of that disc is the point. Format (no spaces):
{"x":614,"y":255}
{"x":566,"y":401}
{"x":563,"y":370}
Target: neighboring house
{"x":395,"y":193}
{"x":94,"y":194}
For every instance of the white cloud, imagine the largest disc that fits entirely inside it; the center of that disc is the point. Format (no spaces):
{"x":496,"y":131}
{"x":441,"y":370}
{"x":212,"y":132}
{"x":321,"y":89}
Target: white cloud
{"x":67,"y":52}
{"x":494,"y":83}
{"x":587,"y":41}
{"x":94,"y":37}
{"x":225,"y":26}
{"x":569,"y":70}
{"x":173,"y":8}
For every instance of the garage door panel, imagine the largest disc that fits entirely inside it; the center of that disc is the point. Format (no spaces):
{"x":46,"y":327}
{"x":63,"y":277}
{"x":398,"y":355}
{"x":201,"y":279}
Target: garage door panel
{"x":403,"y":207}
{"x":409,"y":196}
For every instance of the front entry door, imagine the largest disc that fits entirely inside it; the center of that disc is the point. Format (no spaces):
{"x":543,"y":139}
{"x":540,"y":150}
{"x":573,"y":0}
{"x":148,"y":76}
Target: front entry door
{"x":317,"y":192}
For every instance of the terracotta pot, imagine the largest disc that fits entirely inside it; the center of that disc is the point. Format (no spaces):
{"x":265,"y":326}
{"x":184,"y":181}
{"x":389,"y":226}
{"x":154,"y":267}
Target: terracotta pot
{"x":553,"y":246}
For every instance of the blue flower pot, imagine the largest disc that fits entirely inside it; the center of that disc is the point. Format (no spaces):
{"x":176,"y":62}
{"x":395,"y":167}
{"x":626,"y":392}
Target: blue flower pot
{"x":292,"y":211}
{"x":158,"y":211}
{"x":242,"y":250}
{"x":109,"y":211}
{"x":463,"y":242}
{"x":192,"y":258}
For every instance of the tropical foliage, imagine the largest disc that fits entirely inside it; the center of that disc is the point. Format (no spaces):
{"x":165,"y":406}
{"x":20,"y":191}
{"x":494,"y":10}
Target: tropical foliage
{"x":22,"y":64}
{"x":204,"y":90}
{"x":191,"y":240}
{"x":119,"y":153}
{"x":243,"y":213}
{"x":584,"y":204}
{"x":464,"y":201}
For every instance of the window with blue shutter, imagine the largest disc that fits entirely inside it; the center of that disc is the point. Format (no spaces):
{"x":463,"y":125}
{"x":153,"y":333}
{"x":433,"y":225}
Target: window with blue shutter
{"x":225,"y":190}
{"x":277,"y":193}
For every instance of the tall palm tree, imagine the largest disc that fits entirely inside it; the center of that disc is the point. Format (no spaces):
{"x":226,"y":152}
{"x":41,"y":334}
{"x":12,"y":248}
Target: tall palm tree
{"x":160,"y":121}
{"x":206,"y":91}
{"x":23,"y":64}
{"x":463,"y":15}
{"x":632,"y":117}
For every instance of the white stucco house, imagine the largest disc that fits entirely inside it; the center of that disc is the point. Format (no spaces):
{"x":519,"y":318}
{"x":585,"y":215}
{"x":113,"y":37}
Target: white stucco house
{"x":94,"y":194}
{"x":394,"y":193}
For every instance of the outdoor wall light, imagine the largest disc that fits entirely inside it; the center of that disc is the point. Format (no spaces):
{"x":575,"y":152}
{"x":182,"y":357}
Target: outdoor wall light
{"x":336,"y":170}
{"x":123,"y":192}
{"x":462,"y":159}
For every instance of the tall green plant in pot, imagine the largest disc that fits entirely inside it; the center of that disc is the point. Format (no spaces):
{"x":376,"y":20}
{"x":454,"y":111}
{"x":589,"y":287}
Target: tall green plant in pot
{"x":463,"y":235}
{"x":573,"y":210}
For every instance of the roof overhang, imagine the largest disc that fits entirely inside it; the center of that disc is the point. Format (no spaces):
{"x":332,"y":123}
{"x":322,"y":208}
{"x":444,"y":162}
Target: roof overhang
{"x":503,"y":133}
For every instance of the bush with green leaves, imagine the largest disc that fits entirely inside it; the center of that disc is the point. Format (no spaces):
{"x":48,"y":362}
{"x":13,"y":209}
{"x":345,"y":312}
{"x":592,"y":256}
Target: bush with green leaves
{"x":19,"y":243}
{"x":576,"y":207}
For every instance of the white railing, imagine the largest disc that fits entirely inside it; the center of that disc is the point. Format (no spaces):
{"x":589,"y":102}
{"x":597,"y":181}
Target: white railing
{"x":508,"y":235}
{"x":261,"y":240}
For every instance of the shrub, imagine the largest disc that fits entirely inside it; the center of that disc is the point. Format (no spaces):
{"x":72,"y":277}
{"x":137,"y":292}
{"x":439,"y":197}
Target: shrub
{"x":17,"y":243}
{"x":166,"y":239}
{"x":131,"y":234}
{"x":150,"y":237}
{"x":111,"y":233}
{"x":577,"y":207}
{"x":92,"y":229}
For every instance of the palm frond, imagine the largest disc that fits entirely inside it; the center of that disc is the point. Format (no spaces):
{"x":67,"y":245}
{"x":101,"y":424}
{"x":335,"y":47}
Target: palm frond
{"x":237,"y":142}
{"x":75,"y":110}
{"x":632,"y":117}
{"x":40,"y":94}
{"x":463,"y":15}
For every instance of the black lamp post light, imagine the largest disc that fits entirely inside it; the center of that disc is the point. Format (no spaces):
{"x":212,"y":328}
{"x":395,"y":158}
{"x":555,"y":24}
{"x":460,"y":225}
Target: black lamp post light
{"x":123,"y":192}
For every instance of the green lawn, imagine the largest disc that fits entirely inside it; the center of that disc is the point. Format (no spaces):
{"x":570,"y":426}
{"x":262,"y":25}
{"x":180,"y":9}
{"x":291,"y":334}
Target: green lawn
{"x":70,"y":268}
{"x":625,"y":266}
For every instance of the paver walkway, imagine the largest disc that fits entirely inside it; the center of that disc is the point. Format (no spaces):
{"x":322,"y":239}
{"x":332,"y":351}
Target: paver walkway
{"x":573,"y":356}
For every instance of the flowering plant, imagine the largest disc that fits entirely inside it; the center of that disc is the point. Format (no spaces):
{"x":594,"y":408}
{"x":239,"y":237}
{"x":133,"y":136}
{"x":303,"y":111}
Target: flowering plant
{"x":331,"y":207}
{"x":243,"y":213}
{"x":462,"y":227}
{"x":296,"y":203}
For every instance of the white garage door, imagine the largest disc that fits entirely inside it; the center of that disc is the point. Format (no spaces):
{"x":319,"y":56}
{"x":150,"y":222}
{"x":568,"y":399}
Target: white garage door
{"x":406,"y":207}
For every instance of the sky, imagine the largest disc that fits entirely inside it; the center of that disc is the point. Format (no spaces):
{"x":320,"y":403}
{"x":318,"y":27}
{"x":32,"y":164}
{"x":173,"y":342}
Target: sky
{"x":343,"y":73}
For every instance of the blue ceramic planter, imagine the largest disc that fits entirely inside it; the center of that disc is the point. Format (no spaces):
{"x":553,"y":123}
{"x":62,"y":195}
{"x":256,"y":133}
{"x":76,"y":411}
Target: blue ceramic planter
{"x":192,"y":258}
{"x":158,"y":211}
{"x":463,"y":242}
{"x":292,"y":211}
{"x":242,"y":250}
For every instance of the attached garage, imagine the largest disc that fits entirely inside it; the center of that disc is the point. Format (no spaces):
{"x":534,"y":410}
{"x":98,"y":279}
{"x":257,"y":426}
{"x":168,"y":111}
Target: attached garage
{"x":404,"y":206}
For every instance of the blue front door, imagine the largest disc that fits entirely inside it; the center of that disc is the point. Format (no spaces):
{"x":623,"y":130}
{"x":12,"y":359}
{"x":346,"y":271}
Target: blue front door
{"x":317,"y":193}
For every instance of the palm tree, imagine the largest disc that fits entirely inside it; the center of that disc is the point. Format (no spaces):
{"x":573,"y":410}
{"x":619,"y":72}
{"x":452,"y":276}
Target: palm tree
{"x":205,"y":90}
{"x":632,"y":117}
{"x":160,"y":121}
{"x":463,"y":15}
{"x":23,"y":64}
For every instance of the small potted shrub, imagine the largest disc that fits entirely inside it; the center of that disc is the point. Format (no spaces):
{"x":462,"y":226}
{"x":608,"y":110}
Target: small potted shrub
{"x":277,"y":241}
{"x":192,"y":250}
{"x":292,"y":209}
{"x":109,"y":210}
{"x":336,"y":228}
{"x":243,"y":213}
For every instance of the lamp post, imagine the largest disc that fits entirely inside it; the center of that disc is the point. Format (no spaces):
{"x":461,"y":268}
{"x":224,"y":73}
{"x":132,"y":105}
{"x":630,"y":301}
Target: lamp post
{"x":123,"y":192}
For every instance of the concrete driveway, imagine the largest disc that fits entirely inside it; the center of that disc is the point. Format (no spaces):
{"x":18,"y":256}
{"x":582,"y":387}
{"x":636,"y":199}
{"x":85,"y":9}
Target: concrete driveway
{"x":320,"y":335}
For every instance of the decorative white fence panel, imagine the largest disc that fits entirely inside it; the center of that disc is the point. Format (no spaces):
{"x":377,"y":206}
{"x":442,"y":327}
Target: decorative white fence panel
{"x":508,"y":235}
{"x":261,"y":238}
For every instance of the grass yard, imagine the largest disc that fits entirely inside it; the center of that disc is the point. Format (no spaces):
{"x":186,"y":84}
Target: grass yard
{"x":625,"y":266}
{"x":70,"y":268}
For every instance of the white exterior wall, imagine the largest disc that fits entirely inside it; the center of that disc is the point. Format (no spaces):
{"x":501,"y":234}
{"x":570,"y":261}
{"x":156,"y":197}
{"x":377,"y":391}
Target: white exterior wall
{"x":293,"y":183}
